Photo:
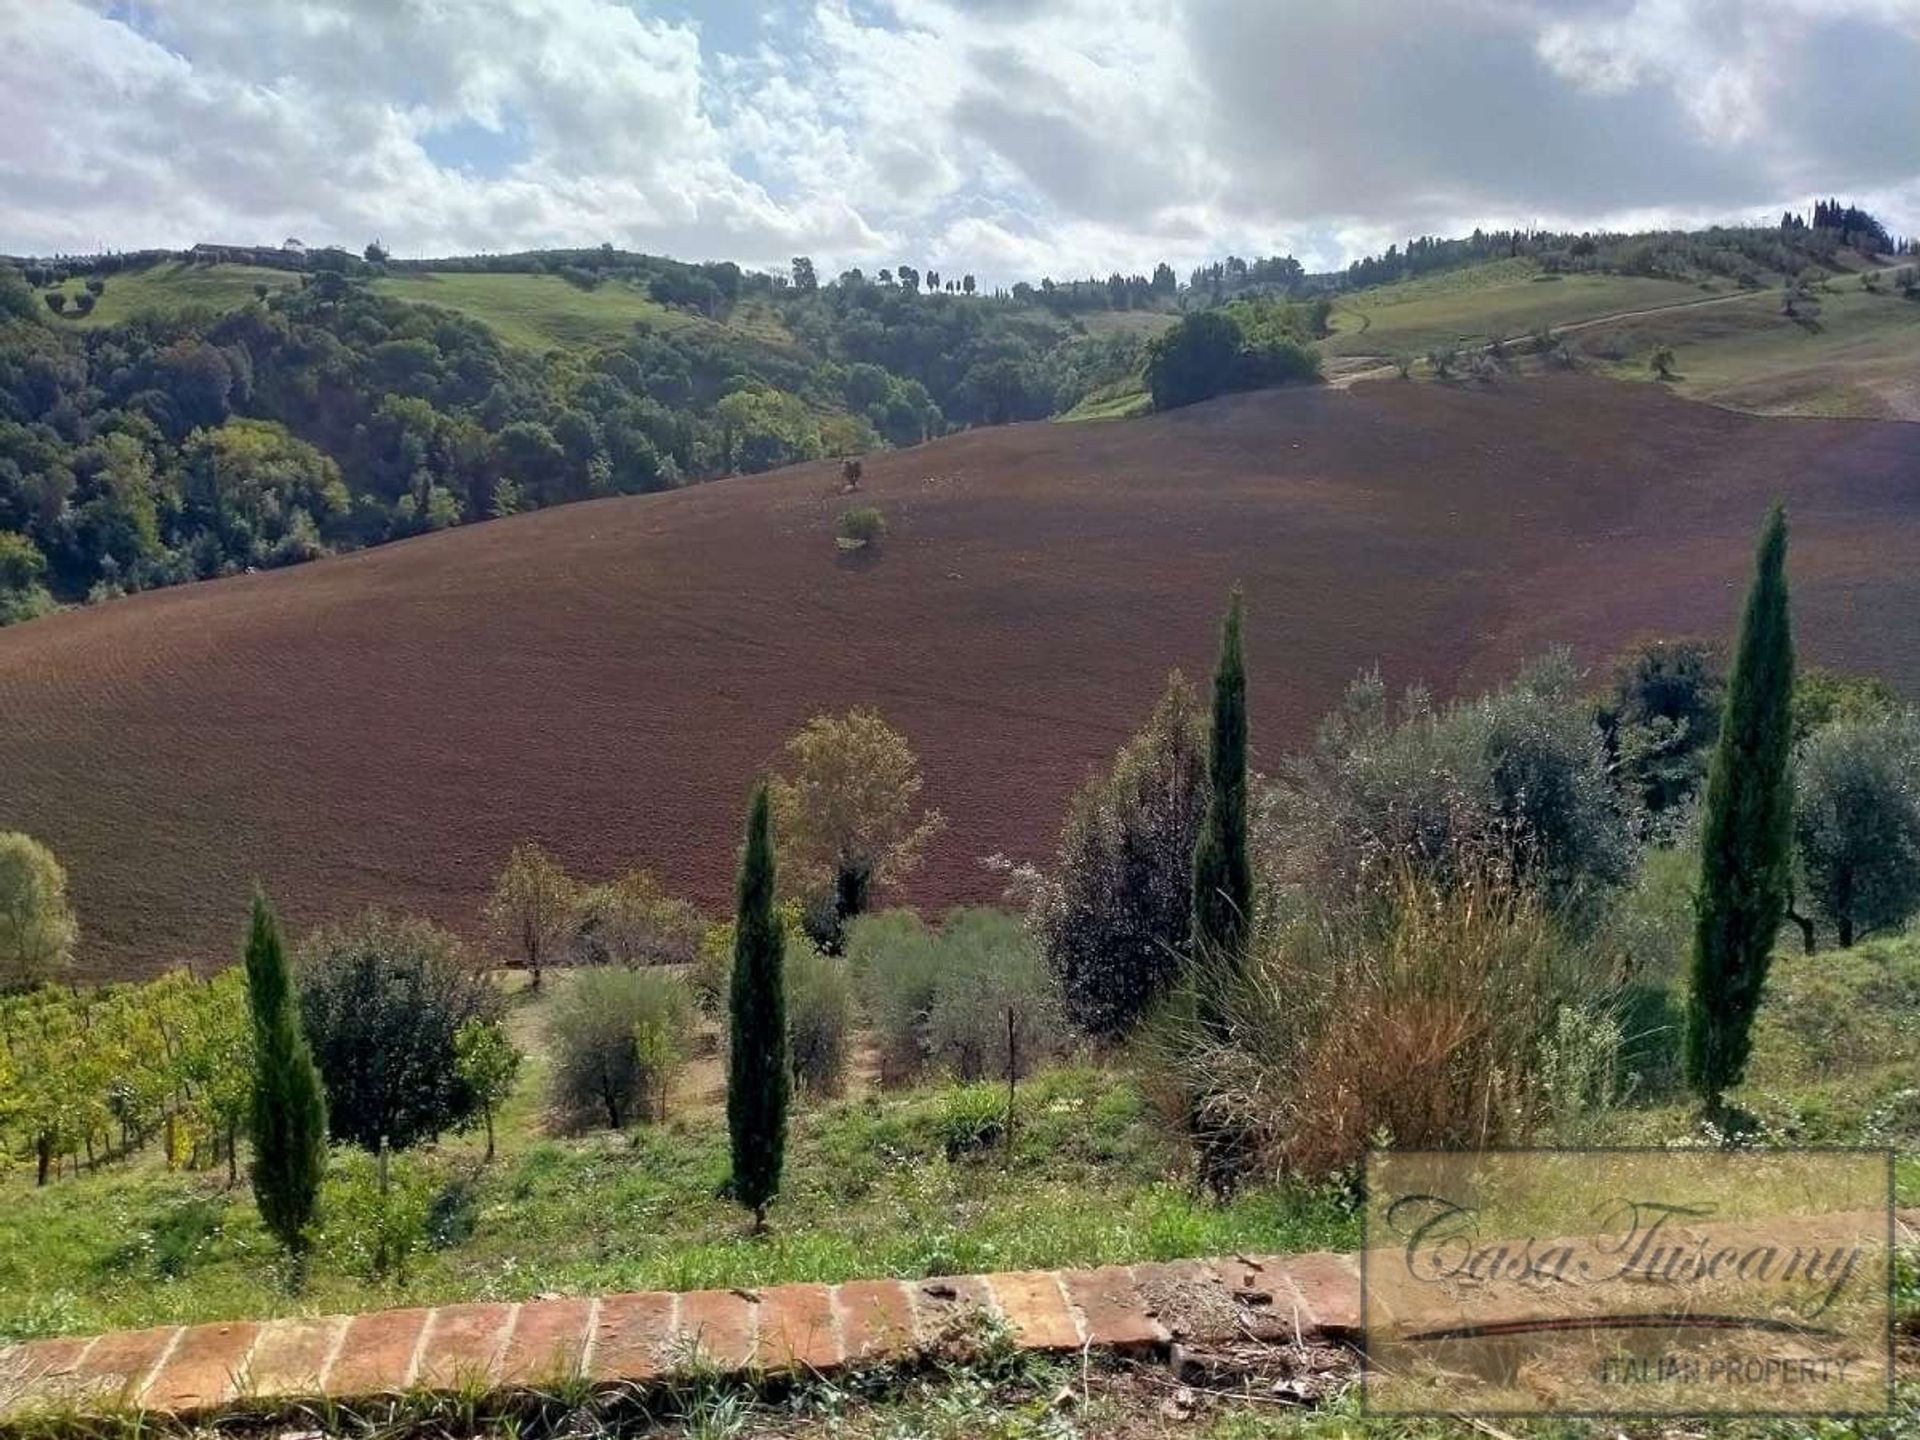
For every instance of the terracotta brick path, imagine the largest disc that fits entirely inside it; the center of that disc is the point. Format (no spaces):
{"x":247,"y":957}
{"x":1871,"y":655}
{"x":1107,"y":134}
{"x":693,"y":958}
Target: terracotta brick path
{"x":201,"y":1369}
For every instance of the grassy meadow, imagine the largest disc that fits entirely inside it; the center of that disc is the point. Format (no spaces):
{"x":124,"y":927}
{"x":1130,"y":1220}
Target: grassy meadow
{"x":1474,"y":305}
{"x":173,"y":288}
{"x":537,"y":312}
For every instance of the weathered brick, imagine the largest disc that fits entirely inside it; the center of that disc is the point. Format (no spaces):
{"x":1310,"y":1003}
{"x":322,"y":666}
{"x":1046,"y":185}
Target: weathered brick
{"x":941,"y":1301}
{"x":1187,"y":1298}
{"x":1328,"y":1287}
{"x":631,"y":1337}
{"x":1112,"y":1312}
{"x":462,"y":1346}
{"x":716,"y":1329}
{"x":290,"y":1356}
{"x":1035,"y":1308}
{"x":797,"y":1330}
{"x":547,"y":1341}
{"x":876,"y":1320}
{"x":40,"y":1373}
{"x":376,"y":1354}
{"x":116,"y":1369}
{"x":203,"y":1369}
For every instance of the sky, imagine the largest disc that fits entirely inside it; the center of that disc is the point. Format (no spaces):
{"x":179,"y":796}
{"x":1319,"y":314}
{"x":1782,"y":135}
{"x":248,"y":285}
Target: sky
{"x":1007,"y":138}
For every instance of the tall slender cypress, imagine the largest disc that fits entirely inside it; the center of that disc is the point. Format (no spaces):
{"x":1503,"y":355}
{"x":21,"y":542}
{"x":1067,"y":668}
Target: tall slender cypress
{"x":1222,"y":868}
{"x":758,"y":1073}
{"x":1745,"y":832}
{"x":289,"y":1128}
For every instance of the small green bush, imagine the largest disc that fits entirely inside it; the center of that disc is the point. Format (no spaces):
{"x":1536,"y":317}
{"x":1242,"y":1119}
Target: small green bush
{"x":861,"y":526}
{"x":374,"y":1226}
{"x":895,"y":965}
{"x":994,"y":1009}
{"x":618,"y":1038}
{"x":819,"y":1019}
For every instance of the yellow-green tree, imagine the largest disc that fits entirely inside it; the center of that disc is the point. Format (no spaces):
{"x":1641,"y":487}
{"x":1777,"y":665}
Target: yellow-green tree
{"x":849,"y":814}
{"x":37,"y":928}
{"x":531,"y":909}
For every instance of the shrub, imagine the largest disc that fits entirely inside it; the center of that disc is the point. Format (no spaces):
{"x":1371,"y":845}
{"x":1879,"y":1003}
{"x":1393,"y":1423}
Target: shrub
{"x":618,"y":1037}
{"x":1659,"y":718}
{"x":861,"y":526}
{"x":895,"y":962}
{"x":379,"y":1211}
{"x":57,"y":301}
{"x":1423,"y":1023}
{"x":633,"y":922}
{"x":1114,"y":912}
{"x":994,"y":1014}
{"x":382,"y":1001}
{"x":1519,"y":772}
{"x":819,"y":1019}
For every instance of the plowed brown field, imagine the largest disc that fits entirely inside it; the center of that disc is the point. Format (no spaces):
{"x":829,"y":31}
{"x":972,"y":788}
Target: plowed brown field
{"x":607,"y":678}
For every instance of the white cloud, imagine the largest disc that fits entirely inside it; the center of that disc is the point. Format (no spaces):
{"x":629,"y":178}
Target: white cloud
{"x":1006,"y":137}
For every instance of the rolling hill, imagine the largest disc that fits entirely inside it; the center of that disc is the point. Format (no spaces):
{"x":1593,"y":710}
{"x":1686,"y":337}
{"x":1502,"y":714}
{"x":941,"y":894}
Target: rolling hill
{"x":607,"y":677}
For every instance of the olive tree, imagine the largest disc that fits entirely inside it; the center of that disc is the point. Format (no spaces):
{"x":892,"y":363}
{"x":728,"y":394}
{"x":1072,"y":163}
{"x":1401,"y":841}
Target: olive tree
{"x":1857,"y":822}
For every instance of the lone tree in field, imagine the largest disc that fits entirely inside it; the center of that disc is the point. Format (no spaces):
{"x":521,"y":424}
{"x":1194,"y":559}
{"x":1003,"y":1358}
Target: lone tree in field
{"x":1745,"y":833}
{"x":850,"y":814}
{"x":1222,"y":868}
{"x":758,"y":1074}
{"x":37,"y":928}
{"x":531,"y":909}
{"x":289,"y":1107}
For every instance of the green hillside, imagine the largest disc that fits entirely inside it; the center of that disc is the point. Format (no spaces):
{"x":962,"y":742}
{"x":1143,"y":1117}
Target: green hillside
{"x":538,"y":312}
{"x":1853,"y":352}
{"x":1503,"y":298}
{"x":174,"y":288}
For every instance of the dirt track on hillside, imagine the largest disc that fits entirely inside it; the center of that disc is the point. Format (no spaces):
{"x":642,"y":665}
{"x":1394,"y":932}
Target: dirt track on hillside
{"x":607,"y":678}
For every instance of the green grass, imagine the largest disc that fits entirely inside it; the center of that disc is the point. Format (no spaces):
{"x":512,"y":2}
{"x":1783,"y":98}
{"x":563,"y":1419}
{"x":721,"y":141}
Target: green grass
{"x":538,"y":312}
{"x":171,"y":288}
{"x":1859,"y":356}
{"x":1470,"y":306}
{"x":1119,"y":401}
{"x":871,"y":1189}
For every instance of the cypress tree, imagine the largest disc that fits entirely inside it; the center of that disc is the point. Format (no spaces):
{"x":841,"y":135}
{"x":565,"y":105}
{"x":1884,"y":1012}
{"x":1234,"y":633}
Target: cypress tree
{"x":289,"y":1128}
{"x":1745,"y":833}
{"x":758,"y":1073}
{"x":1222,"y":869}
